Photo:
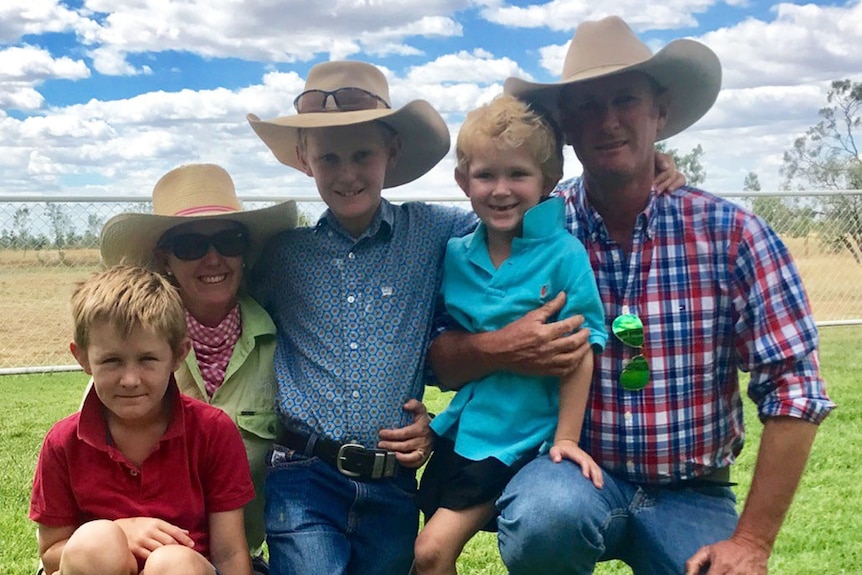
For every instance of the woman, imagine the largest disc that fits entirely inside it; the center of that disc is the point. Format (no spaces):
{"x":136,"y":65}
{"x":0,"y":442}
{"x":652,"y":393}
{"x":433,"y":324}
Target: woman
{"x":200,"y":238}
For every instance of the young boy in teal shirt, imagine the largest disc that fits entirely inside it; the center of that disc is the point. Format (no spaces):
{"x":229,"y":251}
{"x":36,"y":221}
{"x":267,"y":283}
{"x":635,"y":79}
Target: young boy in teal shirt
{"x":520,"y":257}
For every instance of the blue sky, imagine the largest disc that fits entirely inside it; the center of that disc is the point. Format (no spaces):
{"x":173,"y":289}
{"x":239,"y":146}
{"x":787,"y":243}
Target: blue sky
{"x":101,"y":97}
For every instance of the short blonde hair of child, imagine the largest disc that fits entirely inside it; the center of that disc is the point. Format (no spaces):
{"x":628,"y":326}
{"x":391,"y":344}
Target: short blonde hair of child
{"x":128,"y":297}
{"x":508,"y":122}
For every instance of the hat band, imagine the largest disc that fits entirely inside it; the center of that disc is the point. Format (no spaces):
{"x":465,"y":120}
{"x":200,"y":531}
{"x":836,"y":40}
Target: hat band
{"x":208,"y":209}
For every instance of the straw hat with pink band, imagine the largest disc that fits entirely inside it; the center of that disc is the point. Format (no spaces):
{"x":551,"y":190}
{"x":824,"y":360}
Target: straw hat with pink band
{"x":186,"y":194}
{"x":688,"y":71}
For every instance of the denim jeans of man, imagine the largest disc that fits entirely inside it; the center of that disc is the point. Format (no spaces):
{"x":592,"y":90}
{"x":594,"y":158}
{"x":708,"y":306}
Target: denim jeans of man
{"x":320,"y":522}
{"x":554,"y":520}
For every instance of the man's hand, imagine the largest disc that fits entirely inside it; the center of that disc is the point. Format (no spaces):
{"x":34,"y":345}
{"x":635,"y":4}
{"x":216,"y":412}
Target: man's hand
{"x":734,"y":556}
{"x":412,"y":444}
{"x":146,"y":534}
{"x":531,"y":346}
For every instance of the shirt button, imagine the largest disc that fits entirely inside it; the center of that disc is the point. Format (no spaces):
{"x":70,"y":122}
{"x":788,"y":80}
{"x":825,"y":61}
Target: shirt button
{"x":628,"y":417}
{"x":630,"y":464}
{"x":354,"y":345}
{"x":133,"y":472}
{"x":355,"y":395}
{"x":351,"y":256}
{"x":350,"y":299}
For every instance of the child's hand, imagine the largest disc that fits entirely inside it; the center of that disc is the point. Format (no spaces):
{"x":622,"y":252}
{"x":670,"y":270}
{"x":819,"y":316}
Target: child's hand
{"x":568,"y":449}
{"x":667,"y":177}
{"x":146,"y":534}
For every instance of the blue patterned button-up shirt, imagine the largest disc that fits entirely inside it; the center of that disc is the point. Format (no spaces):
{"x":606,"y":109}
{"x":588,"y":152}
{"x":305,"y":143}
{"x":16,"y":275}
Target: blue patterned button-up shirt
{"x":353,"y":317}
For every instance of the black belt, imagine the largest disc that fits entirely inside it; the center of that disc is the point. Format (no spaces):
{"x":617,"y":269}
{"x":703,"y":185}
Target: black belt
{"x":717,"y":478}
{"x":350,"y":459}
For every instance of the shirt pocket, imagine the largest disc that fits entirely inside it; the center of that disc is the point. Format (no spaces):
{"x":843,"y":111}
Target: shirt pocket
{"x":262,"y":424}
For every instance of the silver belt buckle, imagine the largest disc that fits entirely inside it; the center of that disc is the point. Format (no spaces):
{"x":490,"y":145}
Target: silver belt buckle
{"x":342,"y":455}
{"x":383,"y":465}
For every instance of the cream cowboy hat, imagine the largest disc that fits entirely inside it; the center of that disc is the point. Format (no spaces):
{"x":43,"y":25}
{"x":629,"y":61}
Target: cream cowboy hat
{"x":687,"y":70}
{"x":186,"y":194}
{"x":424,"y":135}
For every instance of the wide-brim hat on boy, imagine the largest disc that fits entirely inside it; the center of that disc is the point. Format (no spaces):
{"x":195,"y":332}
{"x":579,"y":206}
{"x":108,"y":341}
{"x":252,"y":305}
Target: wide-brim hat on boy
{"x":424,"y":135}
{"x":687,"y":70}
{"x":189,"y":193}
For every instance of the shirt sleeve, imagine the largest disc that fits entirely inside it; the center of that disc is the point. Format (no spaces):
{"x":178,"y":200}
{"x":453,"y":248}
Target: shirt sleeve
{"x":52,"y":502}
{"x":582,"y":293}
{"x":228,"y":482}
{"x":776,"y":338}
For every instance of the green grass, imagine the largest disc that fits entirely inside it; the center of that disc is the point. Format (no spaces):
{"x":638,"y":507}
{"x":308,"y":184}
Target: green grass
{"x":822,"y":531}
{"x":821,"y":534}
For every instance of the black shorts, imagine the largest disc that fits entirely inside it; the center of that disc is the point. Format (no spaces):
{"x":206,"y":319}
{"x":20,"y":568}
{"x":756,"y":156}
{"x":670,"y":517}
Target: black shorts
{"x":455,"y":482}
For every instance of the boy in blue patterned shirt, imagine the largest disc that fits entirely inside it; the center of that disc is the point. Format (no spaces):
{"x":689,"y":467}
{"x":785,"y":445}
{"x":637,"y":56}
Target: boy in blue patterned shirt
{"x":352,"y":299}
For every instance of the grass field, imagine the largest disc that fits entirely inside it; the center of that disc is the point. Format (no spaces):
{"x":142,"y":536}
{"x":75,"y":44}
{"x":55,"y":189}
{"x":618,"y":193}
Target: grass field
{"x":821,"y":534}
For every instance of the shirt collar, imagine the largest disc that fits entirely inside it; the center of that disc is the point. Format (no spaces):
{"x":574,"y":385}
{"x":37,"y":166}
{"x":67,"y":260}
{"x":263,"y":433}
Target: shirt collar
{"x":381,"y":223}
{"x":93,"y":430}
{"x":594,"y":224}
{"x":543,"y":220}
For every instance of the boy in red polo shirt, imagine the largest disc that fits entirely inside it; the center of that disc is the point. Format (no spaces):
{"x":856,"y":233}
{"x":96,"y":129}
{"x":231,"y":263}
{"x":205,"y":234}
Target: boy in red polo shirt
{"x":142,"y":477}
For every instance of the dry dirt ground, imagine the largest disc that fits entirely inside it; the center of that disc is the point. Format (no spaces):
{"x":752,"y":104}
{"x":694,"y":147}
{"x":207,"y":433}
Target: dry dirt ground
{"x":35,"y":287}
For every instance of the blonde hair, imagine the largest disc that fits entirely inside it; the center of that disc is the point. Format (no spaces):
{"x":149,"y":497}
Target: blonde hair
{"x":128,"y":297}
{"x":509,"y":122}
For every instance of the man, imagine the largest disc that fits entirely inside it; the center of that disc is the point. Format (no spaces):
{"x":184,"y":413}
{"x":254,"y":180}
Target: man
{"x":694,"y":289}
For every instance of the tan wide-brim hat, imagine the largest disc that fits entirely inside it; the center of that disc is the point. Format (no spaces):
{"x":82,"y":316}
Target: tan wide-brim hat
{"x":424,"y":135}
{"x":189,"y":193}
{"x":688,"y":71}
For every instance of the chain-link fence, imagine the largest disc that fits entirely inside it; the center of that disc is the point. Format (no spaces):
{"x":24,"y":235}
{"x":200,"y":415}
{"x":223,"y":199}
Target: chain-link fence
{"x":48,"y":244}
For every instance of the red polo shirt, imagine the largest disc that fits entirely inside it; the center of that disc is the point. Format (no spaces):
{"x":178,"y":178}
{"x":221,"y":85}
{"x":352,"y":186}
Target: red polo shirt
{"x":198,"y":467}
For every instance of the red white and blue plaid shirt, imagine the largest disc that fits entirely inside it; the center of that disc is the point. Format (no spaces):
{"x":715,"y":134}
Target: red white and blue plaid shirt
{"x":717,"y":292}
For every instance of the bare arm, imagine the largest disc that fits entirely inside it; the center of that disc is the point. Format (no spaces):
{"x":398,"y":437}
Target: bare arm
{"x":574,"y":393}
{"x":784,"y":449}
{"x":228,"y":548}
{"x":529,"y":346}
{"x":51,"y":542}
{"x":667,"y":177}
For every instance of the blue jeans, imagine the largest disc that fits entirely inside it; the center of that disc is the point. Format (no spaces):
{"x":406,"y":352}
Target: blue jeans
{"x":320,"y":522}
{"x":553,"y":520}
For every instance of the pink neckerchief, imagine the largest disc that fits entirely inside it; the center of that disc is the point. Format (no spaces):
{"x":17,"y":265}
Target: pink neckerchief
{"x":214,"y":346}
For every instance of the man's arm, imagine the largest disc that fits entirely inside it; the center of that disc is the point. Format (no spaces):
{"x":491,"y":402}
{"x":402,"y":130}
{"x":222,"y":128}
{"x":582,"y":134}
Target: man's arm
{"x":784,"y":448}
{"x":528,"y":346}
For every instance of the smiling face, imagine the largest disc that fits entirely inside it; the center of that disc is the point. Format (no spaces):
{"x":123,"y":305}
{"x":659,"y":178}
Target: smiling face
{"x":130,"y":372}
{"x":208,"y":285}
{"x":612,"y":123}
{"x":502,"y":183}
{"x":349,"y":164}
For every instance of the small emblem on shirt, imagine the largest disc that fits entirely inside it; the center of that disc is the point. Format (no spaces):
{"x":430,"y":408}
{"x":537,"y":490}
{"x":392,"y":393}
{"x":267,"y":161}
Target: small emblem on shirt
{"x":544,"y":292}
{"x":386,"y":291}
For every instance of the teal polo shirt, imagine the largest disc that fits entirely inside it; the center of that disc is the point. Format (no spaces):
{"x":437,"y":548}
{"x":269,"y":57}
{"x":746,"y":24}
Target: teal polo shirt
{"x":506,"y":415}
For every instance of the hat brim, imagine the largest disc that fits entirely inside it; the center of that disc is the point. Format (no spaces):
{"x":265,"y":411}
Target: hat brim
{"x":689,"y":72}
{"x":131,"y":238}
{"x":424,"y":136}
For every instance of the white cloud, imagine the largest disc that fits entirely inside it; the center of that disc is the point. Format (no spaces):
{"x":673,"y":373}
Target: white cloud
{"x":567,"y":14}
{"x":23,"y":17}
{"x":262,"y":30}
{"x":23,"y":68}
